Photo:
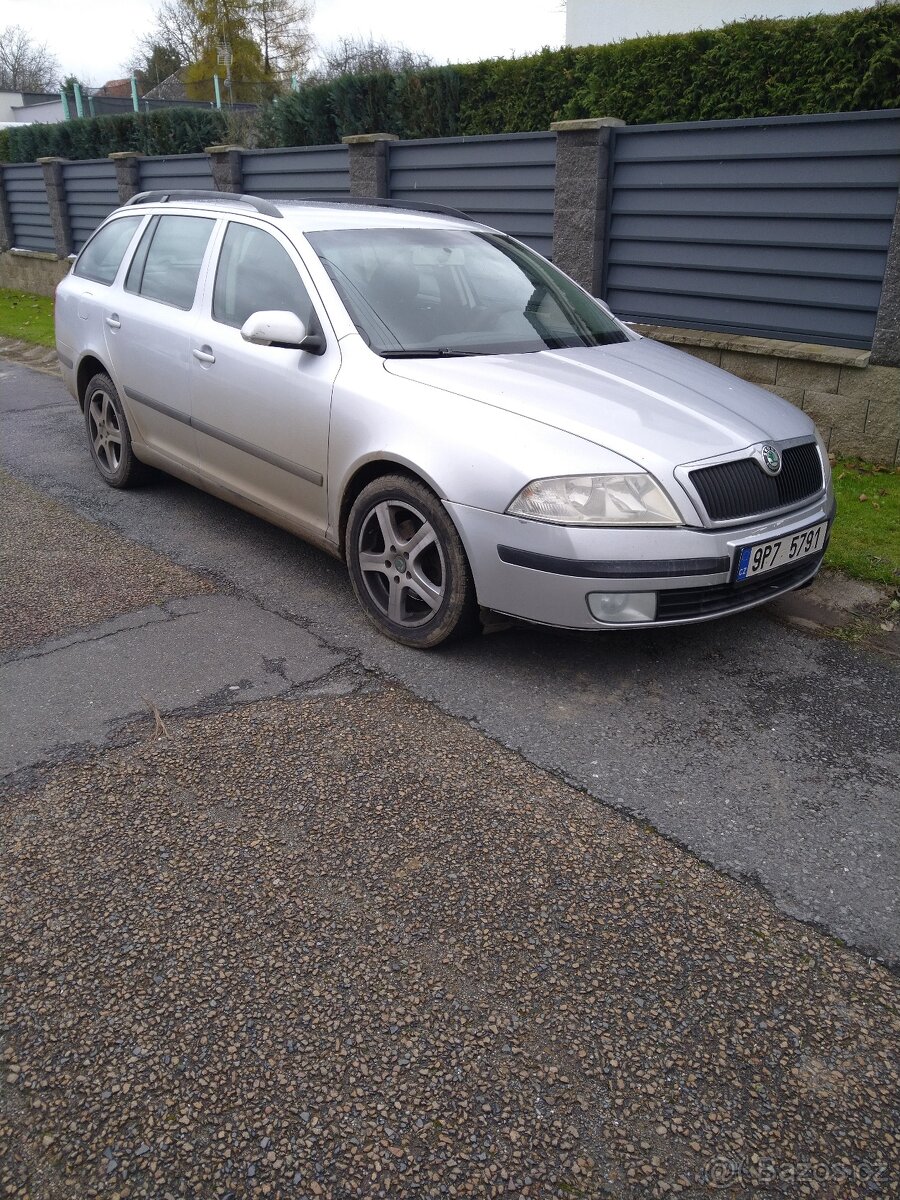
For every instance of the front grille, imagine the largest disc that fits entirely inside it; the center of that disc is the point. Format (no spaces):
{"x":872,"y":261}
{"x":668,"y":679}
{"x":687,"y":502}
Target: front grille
{"x":741,"y":488}
{"x":683,"y":604}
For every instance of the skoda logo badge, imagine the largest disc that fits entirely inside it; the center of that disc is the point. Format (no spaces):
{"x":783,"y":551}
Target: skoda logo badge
{"x":771,"y":459}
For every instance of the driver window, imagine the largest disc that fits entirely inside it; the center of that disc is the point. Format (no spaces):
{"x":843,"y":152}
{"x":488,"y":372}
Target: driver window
{"x":256,"y":274}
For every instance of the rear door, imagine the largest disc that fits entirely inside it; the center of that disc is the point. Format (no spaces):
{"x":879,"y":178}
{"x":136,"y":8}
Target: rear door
{"x":148,"y":331}
{"x":82,"y":299}
{"x":261,"y":413}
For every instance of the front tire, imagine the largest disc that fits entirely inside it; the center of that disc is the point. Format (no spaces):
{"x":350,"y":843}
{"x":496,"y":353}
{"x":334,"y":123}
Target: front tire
{"x":108,"y":434}
{"x":407,"y":564}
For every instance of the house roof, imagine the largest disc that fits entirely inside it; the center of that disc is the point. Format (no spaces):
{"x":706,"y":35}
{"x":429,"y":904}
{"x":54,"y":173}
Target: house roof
{"x":170,"y":88}
{"x":115,"y":87}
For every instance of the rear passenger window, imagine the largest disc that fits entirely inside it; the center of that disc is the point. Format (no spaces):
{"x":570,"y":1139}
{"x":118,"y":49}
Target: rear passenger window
{"x":256,"y":274}
{"x":100,"y":258}
{"x":167,"y":264}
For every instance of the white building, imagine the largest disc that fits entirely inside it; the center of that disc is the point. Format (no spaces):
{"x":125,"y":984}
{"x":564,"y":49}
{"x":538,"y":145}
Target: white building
{"x":596,"y":22}
{"x":27,"y":107}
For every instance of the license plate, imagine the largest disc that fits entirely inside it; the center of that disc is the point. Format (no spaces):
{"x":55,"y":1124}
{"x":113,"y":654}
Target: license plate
{"x":766,"y":556}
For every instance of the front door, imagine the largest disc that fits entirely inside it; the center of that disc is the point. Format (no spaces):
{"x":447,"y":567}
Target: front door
{"x":261,"y":413}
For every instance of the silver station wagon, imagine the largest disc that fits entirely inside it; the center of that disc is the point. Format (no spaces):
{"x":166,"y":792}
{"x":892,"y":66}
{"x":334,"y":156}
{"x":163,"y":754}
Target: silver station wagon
{"x":436,"y":404}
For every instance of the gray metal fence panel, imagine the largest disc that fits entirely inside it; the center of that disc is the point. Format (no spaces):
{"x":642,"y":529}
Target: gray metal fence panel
{"x":505,"y":180}
{"x":176,"y":171}
{"x":91,"y":195}
{"x":29,"y":208}
{"x":297,"y":171}
{"x":774,"y":227}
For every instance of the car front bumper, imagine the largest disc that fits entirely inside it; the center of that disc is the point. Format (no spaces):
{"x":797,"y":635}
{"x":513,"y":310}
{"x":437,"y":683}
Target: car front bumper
{"x":553,"y":574}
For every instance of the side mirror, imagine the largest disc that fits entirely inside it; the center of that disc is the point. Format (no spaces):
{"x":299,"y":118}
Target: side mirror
{"x":282,"y":329}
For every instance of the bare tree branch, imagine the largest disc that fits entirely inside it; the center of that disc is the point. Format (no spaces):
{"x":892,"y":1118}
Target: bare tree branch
{"x":25,"y":66}
{"x":365,"y":56}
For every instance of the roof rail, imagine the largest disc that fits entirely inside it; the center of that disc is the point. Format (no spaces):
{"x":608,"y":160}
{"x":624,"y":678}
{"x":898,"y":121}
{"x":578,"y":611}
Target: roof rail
{"x":379,"y":202}
{"x":175,"y":195}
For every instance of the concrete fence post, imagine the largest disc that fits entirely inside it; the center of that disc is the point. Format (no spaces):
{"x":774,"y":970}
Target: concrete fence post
{"x":579,"y":208}
{"x":55,"y":183}
{"x":227,"y":165}
{"x":128,"y":173}
{"x":6,"y":228}
{"x":886,"y":342}
{"x":370,"y":164}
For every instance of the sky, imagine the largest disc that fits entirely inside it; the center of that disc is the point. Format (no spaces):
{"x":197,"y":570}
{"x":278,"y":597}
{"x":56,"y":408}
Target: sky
{"x":94,"y":39}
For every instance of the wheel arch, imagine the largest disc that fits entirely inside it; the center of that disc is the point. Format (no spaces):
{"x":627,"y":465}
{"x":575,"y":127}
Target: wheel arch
{"x":89,"y":366}
{"x":363,"y":474}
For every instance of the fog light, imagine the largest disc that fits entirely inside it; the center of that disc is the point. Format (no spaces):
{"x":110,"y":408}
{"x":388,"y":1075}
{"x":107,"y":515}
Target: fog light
{"x":621,"y":608}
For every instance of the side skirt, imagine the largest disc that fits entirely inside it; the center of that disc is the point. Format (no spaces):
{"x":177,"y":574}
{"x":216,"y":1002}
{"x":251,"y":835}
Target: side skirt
{"x":206,"y":483}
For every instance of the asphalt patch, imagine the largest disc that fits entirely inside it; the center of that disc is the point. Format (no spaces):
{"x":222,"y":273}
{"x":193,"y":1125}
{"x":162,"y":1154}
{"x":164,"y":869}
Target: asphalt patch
{"x":60,"y":572}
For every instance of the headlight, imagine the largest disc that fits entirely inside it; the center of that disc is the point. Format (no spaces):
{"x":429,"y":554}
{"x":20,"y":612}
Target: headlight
{"x":596,"y":500}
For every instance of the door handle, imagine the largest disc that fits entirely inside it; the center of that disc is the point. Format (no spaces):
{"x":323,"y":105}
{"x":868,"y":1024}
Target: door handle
{"x":113,"y":322}
{"x":205,"y":355}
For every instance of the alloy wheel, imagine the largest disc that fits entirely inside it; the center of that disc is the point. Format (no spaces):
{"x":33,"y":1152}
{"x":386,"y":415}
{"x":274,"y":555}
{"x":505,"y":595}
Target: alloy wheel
{"x":402,"y":563}
{"x":105,"y":431}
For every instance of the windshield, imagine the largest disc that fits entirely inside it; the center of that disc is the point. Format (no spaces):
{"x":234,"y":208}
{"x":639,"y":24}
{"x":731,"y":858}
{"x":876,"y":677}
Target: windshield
{"x":436,"y":292}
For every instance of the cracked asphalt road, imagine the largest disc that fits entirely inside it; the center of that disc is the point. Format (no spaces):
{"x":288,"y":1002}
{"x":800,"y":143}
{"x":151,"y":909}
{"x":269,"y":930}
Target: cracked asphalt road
{"x":274,"y":924}
{"x":175,"y":656}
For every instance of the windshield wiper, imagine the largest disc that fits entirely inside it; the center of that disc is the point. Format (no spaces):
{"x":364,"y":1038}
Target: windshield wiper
{"x":444,"y":352}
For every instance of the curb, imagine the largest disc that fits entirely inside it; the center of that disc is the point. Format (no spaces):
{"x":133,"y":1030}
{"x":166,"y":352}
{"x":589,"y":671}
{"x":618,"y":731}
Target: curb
{"x":39,"y":358}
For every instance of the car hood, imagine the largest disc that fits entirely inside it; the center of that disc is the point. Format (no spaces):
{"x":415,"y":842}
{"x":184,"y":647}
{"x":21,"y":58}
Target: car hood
{"x":654,"y":405}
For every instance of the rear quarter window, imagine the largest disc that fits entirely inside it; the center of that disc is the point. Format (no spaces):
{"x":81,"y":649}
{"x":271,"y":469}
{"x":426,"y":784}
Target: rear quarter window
{"x":102,"y":256}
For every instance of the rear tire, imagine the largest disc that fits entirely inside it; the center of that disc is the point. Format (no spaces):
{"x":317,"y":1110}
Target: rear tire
{"x":108,"y":435}
{"x":407,"y":564}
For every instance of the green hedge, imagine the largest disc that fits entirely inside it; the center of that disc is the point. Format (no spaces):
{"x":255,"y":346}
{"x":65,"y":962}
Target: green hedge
{"x":841,"y":63}
{"x":760,"y":68}
{"x":415,"y":104}
{"x":163,"y":131}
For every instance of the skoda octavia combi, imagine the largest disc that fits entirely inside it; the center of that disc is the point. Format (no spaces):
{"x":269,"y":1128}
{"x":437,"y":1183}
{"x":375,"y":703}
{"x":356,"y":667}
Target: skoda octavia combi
{"x":439,"y":406}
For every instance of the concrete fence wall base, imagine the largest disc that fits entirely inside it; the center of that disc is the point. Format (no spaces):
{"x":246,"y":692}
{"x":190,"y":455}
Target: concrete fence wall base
{"x":32,"y":271}
{"x":854,"y":402}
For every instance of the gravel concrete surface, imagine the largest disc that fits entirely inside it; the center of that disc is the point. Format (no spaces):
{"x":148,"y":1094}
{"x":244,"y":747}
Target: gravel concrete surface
{"x":769,"y":752}
{"x":60,"y":571}
{"x":346,"y":946}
